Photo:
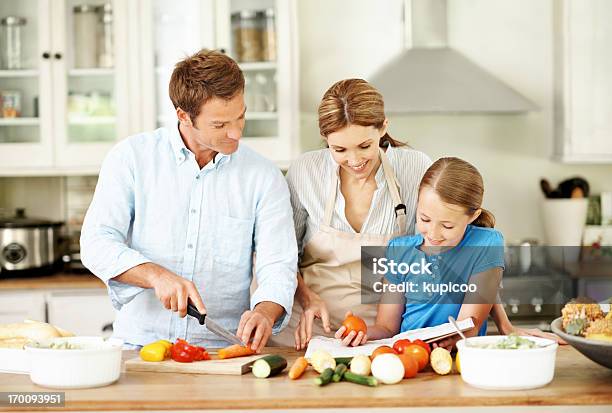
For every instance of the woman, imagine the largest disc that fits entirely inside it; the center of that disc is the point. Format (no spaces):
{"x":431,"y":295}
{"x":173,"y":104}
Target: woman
{"x":361,"y":190}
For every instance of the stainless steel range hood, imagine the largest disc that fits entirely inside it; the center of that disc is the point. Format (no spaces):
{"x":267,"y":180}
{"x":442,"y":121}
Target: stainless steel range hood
{"x":430,"y":77}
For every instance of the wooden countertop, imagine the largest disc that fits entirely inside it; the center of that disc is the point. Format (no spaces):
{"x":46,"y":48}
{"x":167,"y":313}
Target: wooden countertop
{"x":59,"y":280}
{"x":578,"y":381}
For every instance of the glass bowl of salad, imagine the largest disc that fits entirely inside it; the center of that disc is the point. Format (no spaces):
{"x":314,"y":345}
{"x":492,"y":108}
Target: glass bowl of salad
{"x":507,"y":362}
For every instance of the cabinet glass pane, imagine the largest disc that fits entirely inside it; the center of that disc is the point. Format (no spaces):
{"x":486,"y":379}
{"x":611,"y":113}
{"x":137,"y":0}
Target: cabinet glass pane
{"x":19,"y":75}
{"x":253,"y":46}
{"x":90,"y":62}
{"x":177,"y":32}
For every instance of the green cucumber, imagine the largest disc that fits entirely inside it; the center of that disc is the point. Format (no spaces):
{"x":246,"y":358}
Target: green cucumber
{"x":325,"y":377}
{"x":360,"y":379}
{"x":269,"y":366}
{"x":343,"y":360}
{"x":340,"y":370}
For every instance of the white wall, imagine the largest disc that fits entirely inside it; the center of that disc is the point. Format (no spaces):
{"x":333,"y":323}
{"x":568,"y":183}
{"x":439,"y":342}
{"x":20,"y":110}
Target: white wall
{"x":511,"y":38}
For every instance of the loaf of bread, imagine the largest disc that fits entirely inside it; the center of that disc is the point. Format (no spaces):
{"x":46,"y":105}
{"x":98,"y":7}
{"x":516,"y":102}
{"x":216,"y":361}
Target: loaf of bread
{"x":15,"y":335}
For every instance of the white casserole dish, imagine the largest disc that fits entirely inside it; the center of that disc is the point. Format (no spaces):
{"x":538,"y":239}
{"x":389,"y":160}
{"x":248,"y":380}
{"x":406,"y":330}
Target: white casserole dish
{"x":96,"y":363}
{"x":14,"y":360}
{"x":507,"y":369}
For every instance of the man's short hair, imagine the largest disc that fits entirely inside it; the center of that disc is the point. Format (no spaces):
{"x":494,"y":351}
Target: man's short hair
{"x":203,"y":76}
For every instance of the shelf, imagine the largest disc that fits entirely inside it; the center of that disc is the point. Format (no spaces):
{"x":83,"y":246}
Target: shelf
{"x":91,"y":72}
{"x":251,"y":66}
{"x":19,"y":73}
{"x":19,"y":121}
{"x":92,"y":120}
{"x":262,"y":115}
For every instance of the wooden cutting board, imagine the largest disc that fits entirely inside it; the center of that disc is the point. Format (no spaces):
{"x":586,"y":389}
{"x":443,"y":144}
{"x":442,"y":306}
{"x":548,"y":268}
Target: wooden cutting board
{"x":234,"y":366}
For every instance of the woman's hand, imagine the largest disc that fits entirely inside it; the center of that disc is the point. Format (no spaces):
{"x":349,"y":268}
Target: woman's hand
{"x":314,"y":307}
{"x":353,"y":338}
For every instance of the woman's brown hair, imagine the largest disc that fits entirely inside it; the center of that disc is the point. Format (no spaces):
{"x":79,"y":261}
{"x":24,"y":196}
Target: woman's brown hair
{"x":353,"y":102}
{"x":202,"y":76}
{"x":458,"y":182}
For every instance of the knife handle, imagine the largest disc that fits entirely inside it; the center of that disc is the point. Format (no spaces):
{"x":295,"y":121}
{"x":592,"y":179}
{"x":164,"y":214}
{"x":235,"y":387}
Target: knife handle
{"x":193,"y":311}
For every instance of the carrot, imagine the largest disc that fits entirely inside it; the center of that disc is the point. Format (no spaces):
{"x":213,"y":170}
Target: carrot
{"x":298,"y":368}
{"x":235,"y":350}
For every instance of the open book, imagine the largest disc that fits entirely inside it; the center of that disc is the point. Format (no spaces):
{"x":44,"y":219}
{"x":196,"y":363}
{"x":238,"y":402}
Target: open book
{"x":427,"y":334}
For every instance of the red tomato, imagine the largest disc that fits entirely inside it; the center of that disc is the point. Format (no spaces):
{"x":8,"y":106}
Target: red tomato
{"x":411,"y":366}
{"x":419,"y":353}
{"x":423,"y":344}
{"x":354,"y":323}
{"x":382,"y":350}
{"x":400,"y":345}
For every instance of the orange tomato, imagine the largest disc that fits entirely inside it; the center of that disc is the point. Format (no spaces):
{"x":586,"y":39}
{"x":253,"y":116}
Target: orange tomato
{"x":411,"y":366}
{"x":400,"y":345}
{"x":354,"y":323}
{"x":423,"y":344}
{"x":419,"y":353}
{"x":382,"y":350}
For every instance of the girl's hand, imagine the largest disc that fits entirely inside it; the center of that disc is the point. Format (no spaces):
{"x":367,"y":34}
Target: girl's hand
{"x":447,"y":343}
{"x":353,"y":338}
{"x":314,"y":307}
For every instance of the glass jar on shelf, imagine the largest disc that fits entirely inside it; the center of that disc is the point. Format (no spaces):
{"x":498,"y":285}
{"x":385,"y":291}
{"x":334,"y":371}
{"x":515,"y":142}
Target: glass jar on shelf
{"x":247,"y":29}
{"x":266,"y":92}
{"x":11,"y":27}
{"x":106,"y":57}
{"x":85,"y":42}
{"x":268,"y":36}
{"x":10,"y":101}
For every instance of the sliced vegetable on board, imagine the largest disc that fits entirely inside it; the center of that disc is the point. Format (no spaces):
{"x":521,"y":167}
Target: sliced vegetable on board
{"x":235,"y":350}
{"x":268,"y":366}
{"x":153,"y":352}
{"x":298,"y":368}
{"x":388,"y":368}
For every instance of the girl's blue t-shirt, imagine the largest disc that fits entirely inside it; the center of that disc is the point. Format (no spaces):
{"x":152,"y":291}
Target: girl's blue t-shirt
{"x":480,"y":249}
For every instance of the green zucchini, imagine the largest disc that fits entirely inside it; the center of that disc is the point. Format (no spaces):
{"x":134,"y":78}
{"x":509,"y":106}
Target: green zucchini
{"x":343,"y":360}
{"x":360,"y":379}
{"x":325,"y":377}
{"x":269,"y":366}
{"x":340,"y":370}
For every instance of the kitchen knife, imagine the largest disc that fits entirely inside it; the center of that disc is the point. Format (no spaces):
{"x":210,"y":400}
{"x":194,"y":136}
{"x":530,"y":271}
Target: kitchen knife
{"x":212,"y":326}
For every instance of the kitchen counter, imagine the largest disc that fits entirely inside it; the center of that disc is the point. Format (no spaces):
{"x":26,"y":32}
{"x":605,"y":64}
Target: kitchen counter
{"x":61,"y":280}
{"x":578,"y":381}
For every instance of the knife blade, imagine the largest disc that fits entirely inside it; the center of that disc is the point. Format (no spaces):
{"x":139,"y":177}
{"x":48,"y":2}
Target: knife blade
{"x":212,"y":326}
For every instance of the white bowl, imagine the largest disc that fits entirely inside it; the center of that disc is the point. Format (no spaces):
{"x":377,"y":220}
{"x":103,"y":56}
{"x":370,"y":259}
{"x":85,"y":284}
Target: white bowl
{"x":507,"y":369}
{"x":97,"y":363}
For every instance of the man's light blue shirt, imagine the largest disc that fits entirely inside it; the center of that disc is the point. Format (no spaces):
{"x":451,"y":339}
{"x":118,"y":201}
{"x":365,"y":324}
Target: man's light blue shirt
{"x":153,"y":203}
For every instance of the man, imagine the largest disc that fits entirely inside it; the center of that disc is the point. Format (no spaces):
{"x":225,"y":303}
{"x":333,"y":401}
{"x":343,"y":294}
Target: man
{"x":178,"y":213}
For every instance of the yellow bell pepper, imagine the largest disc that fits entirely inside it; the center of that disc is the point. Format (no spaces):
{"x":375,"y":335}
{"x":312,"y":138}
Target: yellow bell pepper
{"x":153,"y":352}
{"x":167,"y":345}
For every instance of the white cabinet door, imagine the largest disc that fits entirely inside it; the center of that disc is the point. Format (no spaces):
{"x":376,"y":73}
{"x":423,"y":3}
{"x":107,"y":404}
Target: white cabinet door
{"x":25,"y":138}
{"x":16,"y":306}
{"x":584,"y":86}
{"x":90,"y":96}
{"x":271,"y":82}
{"x":82,"y":312}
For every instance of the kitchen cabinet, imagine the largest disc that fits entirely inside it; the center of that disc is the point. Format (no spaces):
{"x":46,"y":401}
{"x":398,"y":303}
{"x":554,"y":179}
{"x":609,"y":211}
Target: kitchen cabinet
{"x":83,"y":311}
{"x":260,"y":34}
{"x":583,"y":86}
{"x":73,"y":84}
{"x":16,"y":306}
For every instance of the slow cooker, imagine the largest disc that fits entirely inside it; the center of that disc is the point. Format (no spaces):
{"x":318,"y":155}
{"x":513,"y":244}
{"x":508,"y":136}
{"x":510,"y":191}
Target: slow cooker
{"x":28,"y":246}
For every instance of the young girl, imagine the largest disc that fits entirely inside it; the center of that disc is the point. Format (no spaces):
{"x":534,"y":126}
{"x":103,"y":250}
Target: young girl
{"x":455,"y":236}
